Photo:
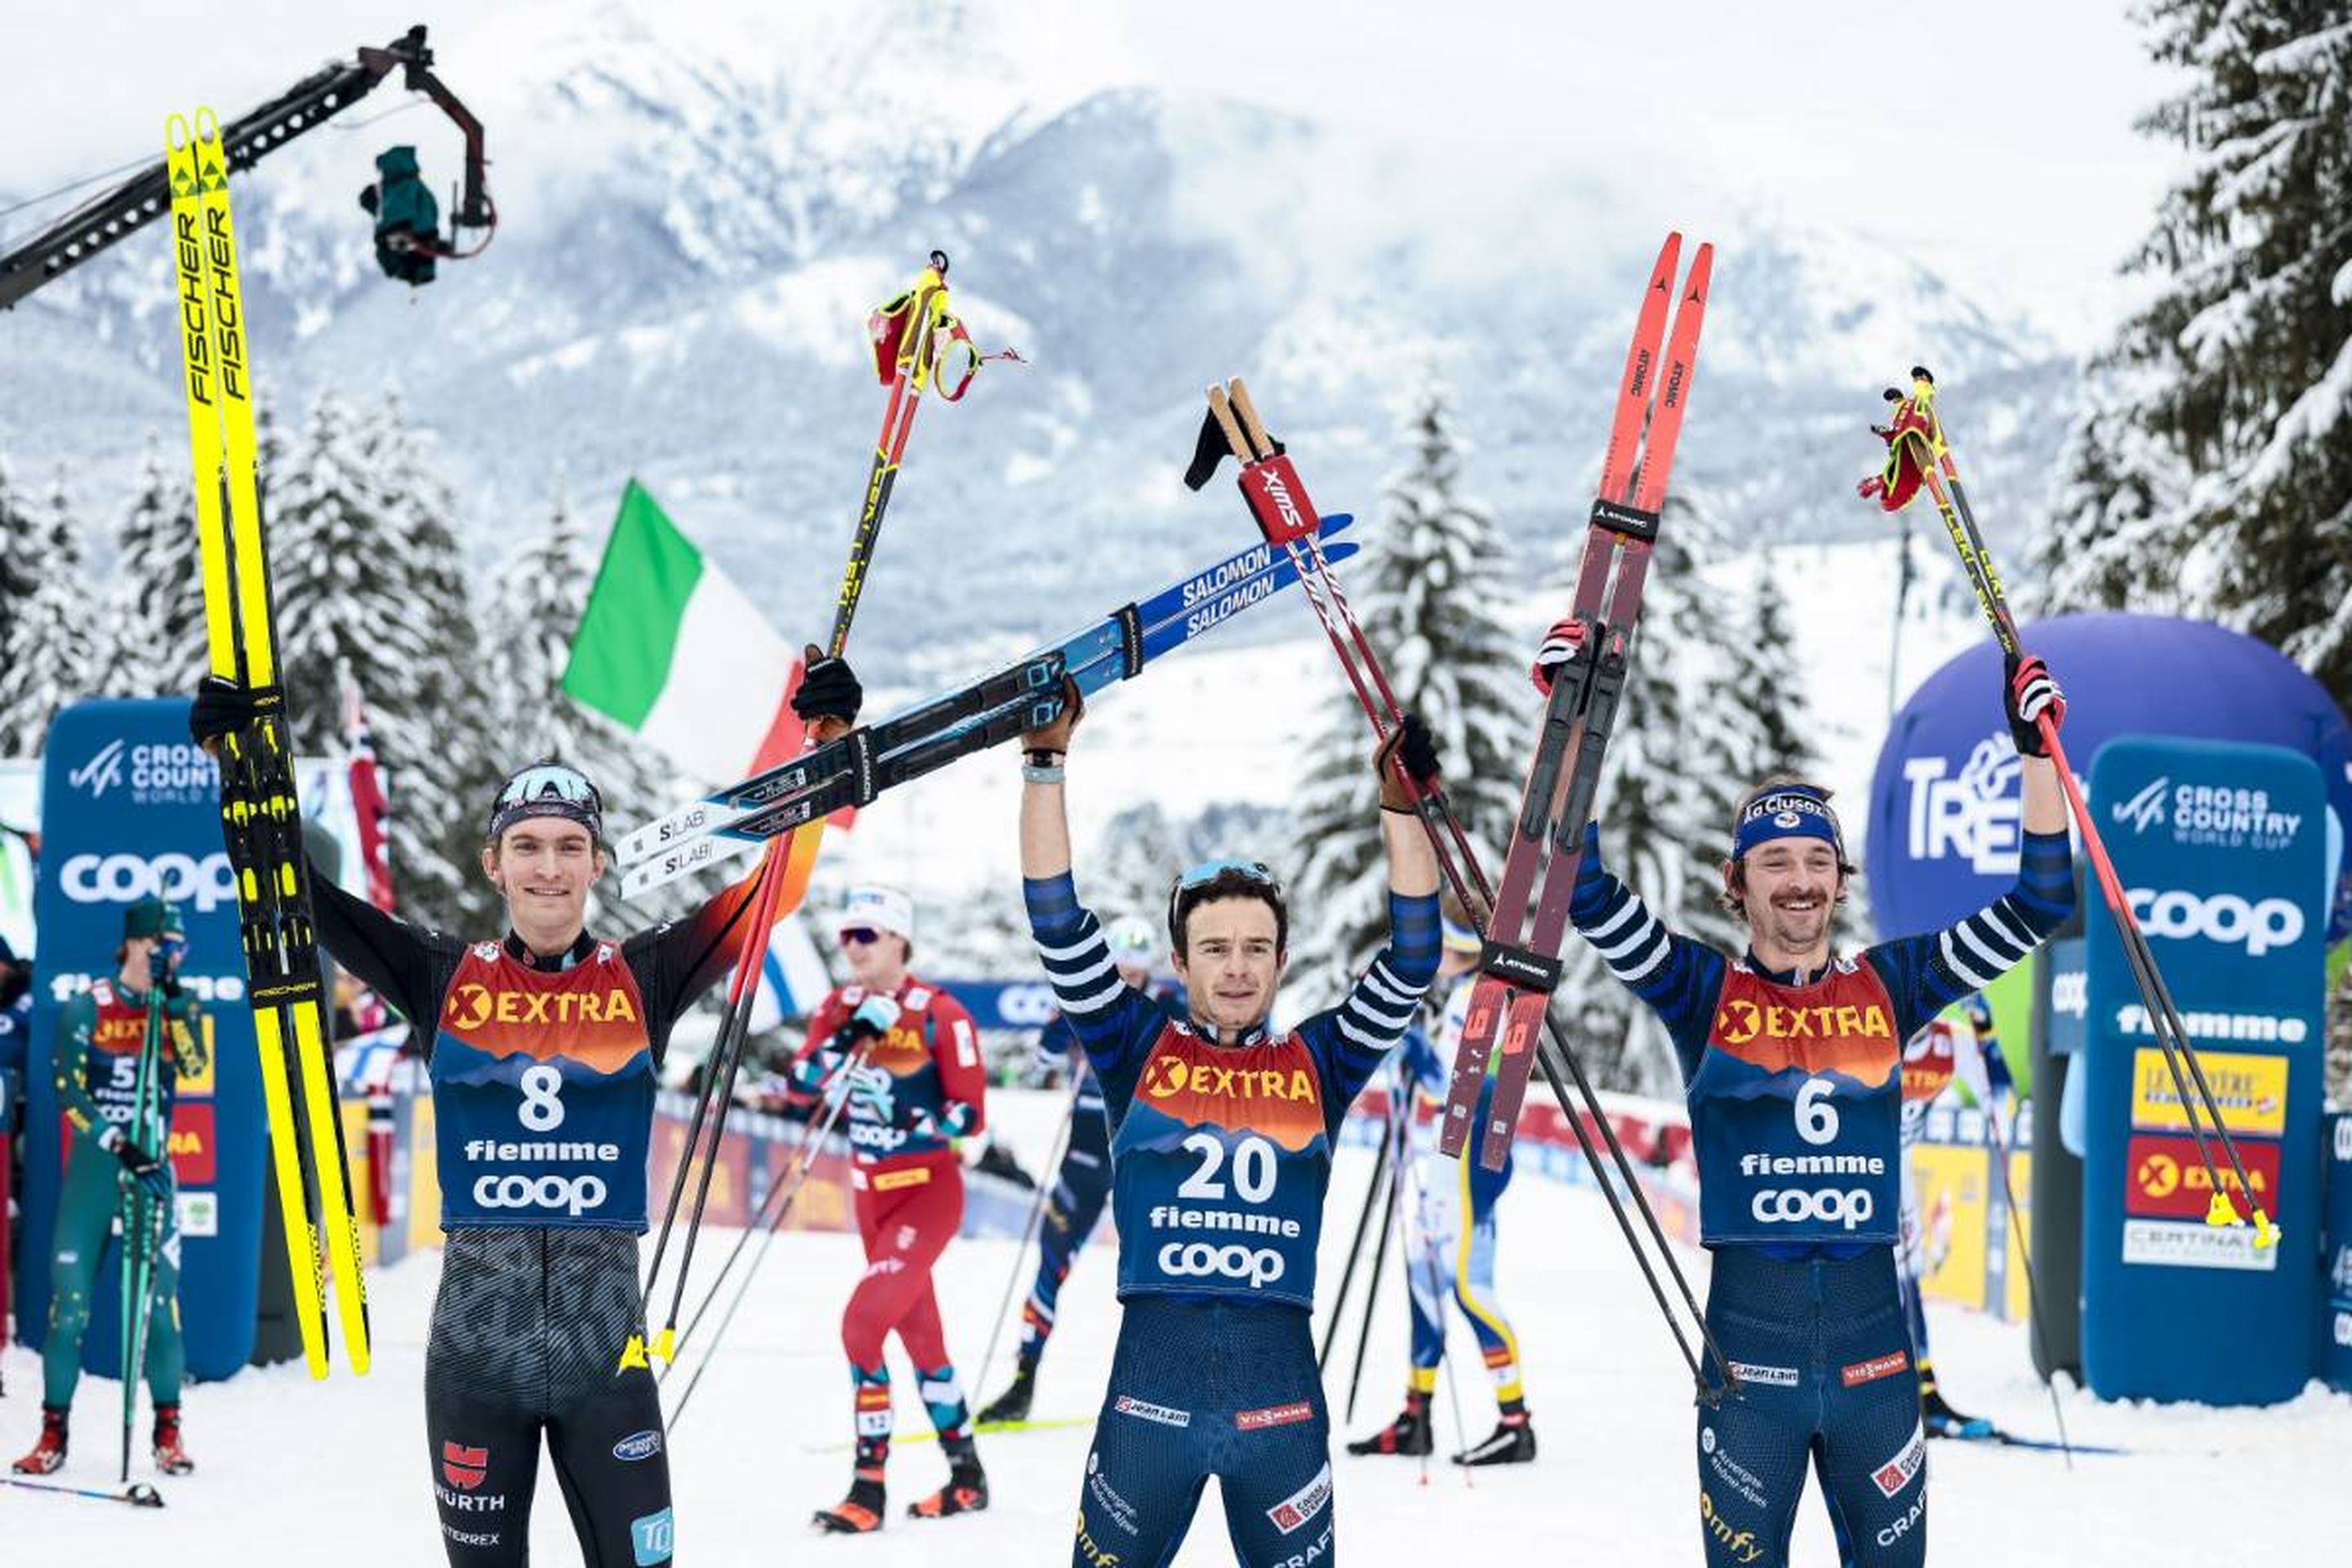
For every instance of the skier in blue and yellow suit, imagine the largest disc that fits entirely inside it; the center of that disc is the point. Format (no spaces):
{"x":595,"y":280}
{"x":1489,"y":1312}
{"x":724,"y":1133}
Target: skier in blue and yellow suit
{"x":1792,"y":1058}
{"x":1450,"y":1234}
{"x":1221,"y":1152}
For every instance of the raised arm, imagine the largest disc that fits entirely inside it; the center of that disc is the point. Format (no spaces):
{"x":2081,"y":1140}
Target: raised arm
{"x":1676,"y":976}
{"x":1364,"y":1028}
{"x":1924,"y":974}
{"x":1115,"y":1022}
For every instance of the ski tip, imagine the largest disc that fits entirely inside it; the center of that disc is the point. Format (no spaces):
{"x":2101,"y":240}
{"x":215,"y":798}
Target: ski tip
{"x":1702,"y":273}
{"x":207,"y":124}
{"x":176,"y":134}
{"x":1661,"y":276}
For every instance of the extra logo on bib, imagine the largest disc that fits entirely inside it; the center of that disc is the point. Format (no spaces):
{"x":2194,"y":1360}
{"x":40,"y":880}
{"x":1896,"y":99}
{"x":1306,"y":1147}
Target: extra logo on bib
{"x":543,"y":1090}
{"x":1220,"y":1166}
{"x":1796,"y":1111}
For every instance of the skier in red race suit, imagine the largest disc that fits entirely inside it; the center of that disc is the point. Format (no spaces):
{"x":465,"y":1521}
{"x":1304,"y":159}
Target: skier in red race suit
{"x":907,"y":1058}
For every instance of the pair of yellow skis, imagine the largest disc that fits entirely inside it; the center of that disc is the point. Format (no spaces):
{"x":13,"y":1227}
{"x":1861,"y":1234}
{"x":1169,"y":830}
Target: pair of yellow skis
{"x":261,"y":820}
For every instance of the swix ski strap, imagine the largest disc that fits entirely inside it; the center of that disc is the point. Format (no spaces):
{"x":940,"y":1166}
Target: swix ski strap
{"x":1269,"y":483}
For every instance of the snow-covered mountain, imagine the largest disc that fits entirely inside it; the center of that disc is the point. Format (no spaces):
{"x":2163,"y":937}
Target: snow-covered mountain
{"x":702,"y":201}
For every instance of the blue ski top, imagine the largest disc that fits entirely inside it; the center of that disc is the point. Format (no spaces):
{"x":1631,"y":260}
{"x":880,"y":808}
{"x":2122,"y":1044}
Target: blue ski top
{"x":1794,"y":1079}
{"x":1221,"y":1150}
{"x":1057,"y":1043}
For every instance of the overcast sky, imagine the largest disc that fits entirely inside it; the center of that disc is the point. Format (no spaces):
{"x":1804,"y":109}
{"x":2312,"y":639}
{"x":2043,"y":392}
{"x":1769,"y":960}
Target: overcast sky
{"x":1992,"y":139}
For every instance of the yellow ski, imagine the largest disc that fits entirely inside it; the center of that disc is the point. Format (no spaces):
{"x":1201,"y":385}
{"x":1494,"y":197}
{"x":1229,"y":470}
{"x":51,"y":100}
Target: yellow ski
{"x":261,"y":816}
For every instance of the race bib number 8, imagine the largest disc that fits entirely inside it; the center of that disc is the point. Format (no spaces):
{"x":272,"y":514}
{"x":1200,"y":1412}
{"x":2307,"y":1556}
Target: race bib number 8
{"x":541,"y":1110}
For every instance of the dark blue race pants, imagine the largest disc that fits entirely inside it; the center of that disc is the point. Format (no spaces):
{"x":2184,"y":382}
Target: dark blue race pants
{"x":1823,"y":1355}
{"x":1199,"y":1389}
{"x":1080,"y":1189}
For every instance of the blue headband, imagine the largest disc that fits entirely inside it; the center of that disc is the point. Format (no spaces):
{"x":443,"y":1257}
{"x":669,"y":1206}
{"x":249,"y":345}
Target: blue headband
{"x":1796,"y":812}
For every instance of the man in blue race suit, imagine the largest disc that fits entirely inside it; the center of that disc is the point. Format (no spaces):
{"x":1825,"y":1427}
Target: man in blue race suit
{"x":1221,"y":1152}
{"x":1791,"y":1058}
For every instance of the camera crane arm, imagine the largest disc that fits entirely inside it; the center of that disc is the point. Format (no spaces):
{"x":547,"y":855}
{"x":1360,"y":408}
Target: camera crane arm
{"x":98,"y":223}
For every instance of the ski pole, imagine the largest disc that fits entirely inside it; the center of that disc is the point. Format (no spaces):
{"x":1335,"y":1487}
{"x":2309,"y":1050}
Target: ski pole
{"x":913,"y":354}
{"x":728,"y":1059}
{"x":916,"y":320}
{"x":1036,"y":1216}
{"x":1279,"y":505}
{"x":138,"y":1494}
{"x":1418,"y":1255}
{"x":2032,"y":1288}
{"x":1373,"y":1190}
{"x":779,"y":1200}
{"x":1917,"y":432}
{"x":787,"y":1192}
{"x":140,"y":1218}
{"x":1372,"y":1282}
{"x":760,"y":900}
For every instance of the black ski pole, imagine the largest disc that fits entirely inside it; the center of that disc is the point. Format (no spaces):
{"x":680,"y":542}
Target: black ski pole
{"x":1372,"y":1283}
{"x":1046,"y":1180}
{"x":142,"y":1211}
{"x":786,"y":1192}
{"x":2033,"y":1291}
{"x":1373,"y":1190}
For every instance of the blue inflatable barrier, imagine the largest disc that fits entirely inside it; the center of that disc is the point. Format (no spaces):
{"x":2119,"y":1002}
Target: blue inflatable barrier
{"x":1943,"y":798}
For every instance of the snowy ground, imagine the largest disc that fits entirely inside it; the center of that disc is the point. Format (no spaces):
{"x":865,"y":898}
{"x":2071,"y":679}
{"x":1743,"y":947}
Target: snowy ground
{"x":339,"y":1468}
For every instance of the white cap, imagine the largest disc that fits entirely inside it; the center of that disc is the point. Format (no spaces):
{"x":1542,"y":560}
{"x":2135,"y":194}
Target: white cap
{"x":1131,"y":940}
{"x":883,"y":908}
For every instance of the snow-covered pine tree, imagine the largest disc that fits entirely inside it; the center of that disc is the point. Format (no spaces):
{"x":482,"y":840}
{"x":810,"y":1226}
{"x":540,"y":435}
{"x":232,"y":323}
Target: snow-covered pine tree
{"x":368,"y":573}
{"x":2212,"y":470}
{"x":1430,"y":596}
{"x":51,"y":655}
{"x":536,"y":597}
{"x":155,"y":641}
{"x":2118,"y":533}
{"x":2216,"y":470}
{"x":1767,"y":672}
{"x":1141,"y":851}
{"x":20,"y":551}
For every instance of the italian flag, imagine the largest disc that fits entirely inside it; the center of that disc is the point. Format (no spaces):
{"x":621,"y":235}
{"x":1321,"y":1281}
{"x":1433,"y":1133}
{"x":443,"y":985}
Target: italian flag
{"x":671,"y":650}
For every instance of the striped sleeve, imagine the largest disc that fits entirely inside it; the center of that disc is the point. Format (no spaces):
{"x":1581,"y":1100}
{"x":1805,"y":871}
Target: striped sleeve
{"x":1924,"y":974}
{"x":1352,"y":1039}
{"x":1115,"y":1022}
{"x":1679,"y":978}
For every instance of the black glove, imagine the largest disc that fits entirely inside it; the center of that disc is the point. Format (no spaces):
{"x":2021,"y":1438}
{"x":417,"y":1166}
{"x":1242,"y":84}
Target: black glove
{"x":142,"y":1167}
{"x":222,"y":707}
{"x":828,"y":690}
{"x":2029,"y":692}
{"x":1411,"y":744}
{"x":163,"y":966}
{"x":1054,"y":736}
